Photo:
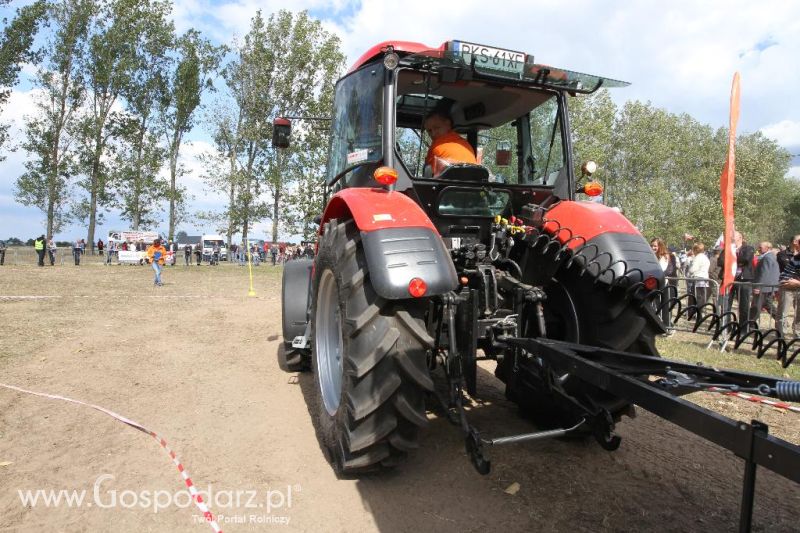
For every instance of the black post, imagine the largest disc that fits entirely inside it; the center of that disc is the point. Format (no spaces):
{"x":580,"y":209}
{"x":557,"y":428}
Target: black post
{"x":749,"y":481}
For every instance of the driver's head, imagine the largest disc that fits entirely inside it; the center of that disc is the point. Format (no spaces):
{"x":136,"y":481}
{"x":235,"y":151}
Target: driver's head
{"x":438,"y":123}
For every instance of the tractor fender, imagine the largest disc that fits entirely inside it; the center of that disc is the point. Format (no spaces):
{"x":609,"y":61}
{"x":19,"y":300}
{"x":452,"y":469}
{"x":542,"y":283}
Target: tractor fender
{"x":608,"y":245}
{"x":400,"y":242}
{"x":295,"y":297}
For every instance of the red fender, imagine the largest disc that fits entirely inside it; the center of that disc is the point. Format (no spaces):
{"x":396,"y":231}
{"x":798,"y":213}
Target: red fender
{"x":585,"y":219}
{"x":374,"y":209}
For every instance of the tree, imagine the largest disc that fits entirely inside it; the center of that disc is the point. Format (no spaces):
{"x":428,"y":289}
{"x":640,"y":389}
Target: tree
{"x":663,"y":169}
{"x":197,"y":64}
{"x":306,"y":62}
{"x":119,"y":36}
{"x":16,"y":45}
{"x":285,"y":66}
{"x":46,"y":181}
{"x":136,"y":178}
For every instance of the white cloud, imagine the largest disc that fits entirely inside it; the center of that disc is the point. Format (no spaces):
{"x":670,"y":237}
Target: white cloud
{"x":794,"y":172}
{"x":785,"y":132}
{"x":679,"y":55}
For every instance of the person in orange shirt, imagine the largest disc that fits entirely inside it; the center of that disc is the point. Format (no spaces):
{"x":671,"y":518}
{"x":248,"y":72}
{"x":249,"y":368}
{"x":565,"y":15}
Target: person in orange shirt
{"x":156,"y":254}
{"x":448,"y":147}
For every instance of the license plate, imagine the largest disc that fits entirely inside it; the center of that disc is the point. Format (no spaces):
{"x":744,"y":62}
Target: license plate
{"x":491,"y":58}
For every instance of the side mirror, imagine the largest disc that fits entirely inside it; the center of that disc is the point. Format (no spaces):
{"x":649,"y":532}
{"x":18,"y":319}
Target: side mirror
{"x":502,"y":156}
{"x":281,"y":132}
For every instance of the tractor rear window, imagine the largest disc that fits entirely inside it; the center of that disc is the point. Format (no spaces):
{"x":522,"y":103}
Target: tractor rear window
{"x":514,"y":132}
{"x":466,"y":202}
{"x":356,"y":129}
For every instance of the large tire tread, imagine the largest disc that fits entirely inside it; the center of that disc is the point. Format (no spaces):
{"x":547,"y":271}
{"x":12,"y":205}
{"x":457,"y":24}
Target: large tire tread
{"x":385,"y":369}
{"x":607,"y":319}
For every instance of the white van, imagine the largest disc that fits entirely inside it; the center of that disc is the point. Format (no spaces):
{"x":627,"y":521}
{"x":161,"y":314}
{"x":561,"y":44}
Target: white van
{"x":208,"y":242}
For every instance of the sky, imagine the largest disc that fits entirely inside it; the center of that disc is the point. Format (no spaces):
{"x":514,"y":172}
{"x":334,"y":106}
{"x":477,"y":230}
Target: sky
{"x":679,"y":55}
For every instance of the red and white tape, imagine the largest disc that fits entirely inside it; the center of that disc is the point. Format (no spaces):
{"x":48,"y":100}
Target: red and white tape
{"x":757,"y":399}
{"x":196,"y":497}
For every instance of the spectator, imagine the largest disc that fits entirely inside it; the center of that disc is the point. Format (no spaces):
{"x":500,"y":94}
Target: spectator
{"x":698,"y":271}
{"x":100,"y":246}
{"x":273,"y":252}
{"x":51,"y":250}
{"x":744,"y":273}
{"x":39,"y":245}
{"x":669,"y":264}
{"x":215,"y":254}
{"x":767,"y":273}
{"x":76,"y":251}
{"x":789,"y":297}
{"x":124,"y":246}
{"x":3,"y":249}
{"x":112,"y":250}
{"x":83,"y":246}
{"x":309,"y":251}
{"x":156,"y":254}
{"x":666,"y":259}
{"x":187,"y":254}
{"x":198,"y":253}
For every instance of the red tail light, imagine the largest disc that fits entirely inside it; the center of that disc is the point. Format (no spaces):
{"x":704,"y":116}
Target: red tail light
{"x":417,"y":287}
{"x":651,"y":283}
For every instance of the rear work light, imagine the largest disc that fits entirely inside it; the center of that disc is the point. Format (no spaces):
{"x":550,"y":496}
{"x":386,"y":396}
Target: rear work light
{"x":417,"y":287}
{"x":385,"y":175}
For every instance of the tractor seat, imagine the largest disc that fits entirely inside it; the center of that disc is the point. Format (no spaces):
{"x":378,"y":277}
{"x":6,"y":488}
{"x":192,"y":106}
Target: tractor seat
{"x":465,"y":172}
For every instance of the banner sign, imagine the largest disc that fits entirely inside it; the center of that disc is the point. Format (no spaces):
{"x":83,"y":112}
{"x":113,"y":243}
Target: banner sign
{"x":133,"y":236}
{"x":130,"y":256}
{"x":726,"y":185}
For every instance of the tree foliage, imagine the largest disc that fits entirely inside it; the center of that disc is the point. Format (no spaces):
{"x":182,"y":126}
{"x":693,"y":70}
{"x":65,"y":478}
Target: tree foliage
{"x":285,"y":66}
{"x":49,"y":136}
{"x":197,"y":63}
{"x":663,"y":170}
{"x":16,"y":48}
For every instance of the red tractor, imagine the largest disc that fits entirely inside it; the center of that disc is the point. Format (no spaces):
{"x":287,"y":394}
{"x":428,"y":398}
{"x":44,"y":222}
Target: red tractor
{"x":422,"y":269}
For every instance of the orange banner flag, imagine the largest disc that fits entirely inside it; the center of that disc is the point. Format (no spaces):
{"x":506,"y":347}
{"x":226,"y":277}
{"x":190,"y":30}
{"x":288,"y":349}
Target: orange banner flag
{"x":726,"y":184}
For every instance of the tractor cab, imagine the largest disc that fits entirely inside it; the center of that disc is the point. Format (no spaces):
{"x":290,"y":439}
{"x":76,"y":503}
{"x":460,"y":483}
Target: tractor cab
{"x":511,"y":111}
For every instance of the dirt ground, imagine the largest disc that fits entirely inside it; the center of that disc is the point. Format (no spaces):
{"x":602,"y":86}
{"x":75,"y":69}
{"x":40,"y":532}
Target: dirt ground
{"x":196,"y":361}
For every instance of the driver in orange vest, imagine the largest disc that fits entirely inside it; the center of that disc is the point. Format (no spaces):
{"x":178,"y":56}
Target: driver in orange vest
{"x":448,"y":147}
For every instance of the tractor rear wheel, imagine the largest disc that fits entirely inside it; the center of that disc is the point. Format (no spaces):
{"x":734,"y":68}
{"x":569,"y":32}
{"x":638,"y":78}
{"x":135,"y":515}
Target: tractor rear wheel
{"x":369,"y":358}
{"x":580,"y":311}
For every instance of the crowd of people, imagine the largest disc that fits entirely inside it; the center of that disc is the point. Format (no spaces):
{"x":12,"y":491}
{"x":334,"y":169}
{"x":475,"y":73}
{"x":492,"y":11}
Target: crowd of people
{"x":767,"y":278}
{"x":278,"y":253}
